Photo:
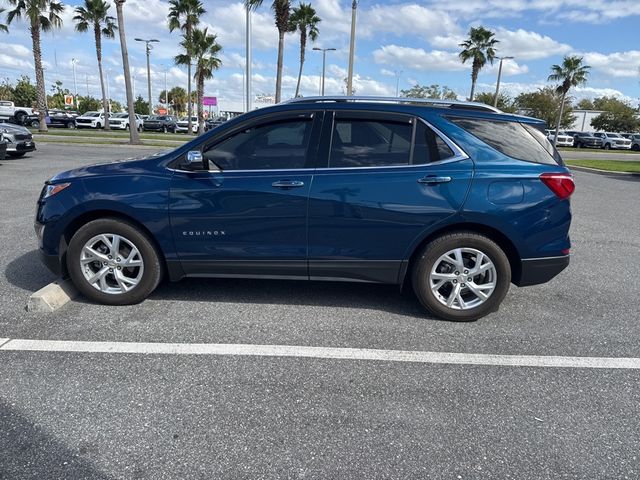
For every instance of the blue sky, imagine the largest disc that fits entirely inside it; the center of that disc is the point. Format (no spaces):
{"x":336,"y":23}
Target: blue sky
{"x":418,"y":39}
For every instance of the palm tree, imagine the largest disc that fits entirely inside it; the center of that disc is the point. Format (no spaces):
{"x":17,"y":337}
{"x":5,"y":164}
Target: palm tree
{"x":95,"y":14}
{"x":571,"y":73}
{"x":204,"y":50}
{"x":3,"y":27}
{"x":282,"y":11}
{"x":134,"y":138}
{"x":305,"y":20}
{"x":43,"y":16}
{"x":479,"y":48}
{"x":185,"y":15}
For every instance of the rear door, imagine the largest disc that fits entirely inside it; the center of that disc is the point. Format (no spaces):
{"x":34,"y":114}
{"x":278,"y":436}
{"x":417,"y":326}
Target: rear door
{"x":386,"y":179}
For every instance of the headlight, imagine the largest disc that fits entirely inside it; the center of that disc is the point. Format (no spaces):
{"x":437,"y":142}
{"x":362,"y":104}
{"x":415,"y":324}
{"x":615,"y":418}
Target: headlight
{"x":51,"y":190}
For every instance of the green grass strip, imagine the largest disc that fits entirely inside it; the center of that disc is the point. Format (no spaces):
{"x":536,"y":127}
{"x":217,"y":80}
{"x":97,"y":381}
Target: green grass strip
{"x":609,"y":165}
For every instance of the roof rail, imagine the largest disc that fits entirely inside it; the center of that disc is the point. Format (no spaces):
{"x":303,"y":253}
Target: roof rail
{"x":435,"y":102}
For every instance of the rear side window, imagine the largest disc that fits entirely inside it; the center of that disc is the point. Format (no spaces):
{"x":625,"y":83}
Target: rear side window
{"x":514,"y":139}
{"x":429,"y":146}
{"x":370,"y":143}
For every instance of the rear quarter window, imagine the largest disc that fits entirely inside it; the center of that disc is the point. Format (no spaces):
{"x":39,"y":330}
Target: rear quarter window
{"x":514,"y":139}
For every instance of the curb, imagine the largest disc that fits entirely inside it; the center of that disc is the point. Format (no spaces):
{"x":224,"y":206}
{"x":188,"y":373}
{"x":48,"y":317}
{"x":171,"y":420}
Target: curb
{"x":51,"y":297}
{"x":602,"y":172}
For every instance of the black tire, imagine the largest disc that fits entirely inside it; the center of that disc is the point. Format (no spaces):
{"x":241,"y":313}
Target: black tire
{"x":16,"y":154}
{"x":71,"y":125}
{"x":164,"y":129}
{"x":635,"y":147}
{"x":98,"y":126}
{"x":430,"y":254}
{"x":35,"y":124}
{"x":152,"y":272}
{"x":607,"y":146}
{"x":20,"y":117}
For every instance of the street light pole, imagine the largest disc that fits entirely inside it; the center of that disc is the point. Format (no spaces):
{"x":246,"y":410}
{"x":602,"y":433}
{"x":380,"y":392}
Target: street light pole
{"x":149,"y":47}
{"x":75,"y":83}
{"x":352,"y":47}
{"x":398,"y":73}
{"x":324,"y":63}
{"x":495,"y":98}
{"x":248,"y":57}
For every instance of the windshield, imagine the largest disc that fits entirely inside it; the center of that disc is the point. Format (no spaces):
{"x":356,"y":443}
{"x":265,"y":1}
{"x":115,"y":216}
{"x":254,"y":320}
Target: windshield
{"x":91,"y":114}
{"x":121,"y":115}
{"x":154,"y":117}
{"x":613,"y":135}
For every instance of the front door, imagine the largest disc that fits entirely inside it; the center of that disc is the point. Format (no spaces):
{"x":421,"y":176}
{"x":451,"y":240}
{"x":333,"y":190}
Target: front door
{"x":387,"y":179}
{"x":249,"y":218}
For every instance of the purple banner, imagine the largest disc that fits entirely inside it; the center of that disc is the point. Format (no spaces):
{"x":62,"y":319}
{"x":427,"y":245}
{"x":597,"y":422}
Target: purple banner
{"x":210,"y":101}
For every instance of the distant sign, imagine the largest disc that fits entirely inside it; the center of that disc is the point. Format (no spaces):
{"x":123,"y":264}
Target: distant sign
{"x":68,"y":100}
{"x":210,"y":101}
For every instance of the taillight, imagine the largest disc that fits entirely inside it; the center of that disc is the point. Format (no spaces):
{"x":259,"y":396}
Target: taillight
{"x":559,"y":183}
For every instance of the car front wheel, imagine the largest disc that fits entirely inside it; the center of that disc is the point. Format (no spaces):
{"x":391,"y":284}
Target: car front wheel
{"x":113,"y":262}
{"x":461,"y":276}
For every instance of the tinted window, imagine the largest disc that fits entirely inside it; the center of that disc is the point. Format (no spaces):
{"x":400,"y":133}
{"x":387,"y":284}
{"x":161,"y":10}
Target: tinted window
{"x":368,"y":143}
{"x":429,"y":146}
{"x":277,"y":145}
{"x":514,"y":139}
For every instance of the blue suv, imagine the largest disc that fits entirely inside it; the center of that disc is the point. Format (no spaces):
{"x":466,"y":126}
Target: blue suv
{"x":456,"y":199}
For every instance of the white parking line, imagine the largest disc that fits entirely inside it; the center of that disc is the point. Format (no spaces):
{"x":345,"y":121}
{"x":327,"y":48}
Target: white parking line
{"x":318,"y":352}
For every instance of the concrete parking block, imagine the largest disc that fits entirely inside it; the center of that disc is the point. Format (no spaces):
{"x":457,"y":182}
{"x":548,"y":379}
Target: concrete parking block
{"x":51,"y":297}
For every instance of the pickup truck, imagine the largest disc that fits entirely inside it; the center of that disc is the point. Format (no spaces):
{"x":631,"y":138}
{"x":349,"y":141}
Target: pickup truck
{"x":8,"y":111}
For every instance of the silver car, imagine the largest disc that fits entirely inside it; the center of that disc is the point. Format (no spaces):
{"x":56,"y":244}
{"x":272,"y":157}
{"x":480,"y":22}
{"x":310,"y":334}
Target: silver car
{"x":19,"y":140}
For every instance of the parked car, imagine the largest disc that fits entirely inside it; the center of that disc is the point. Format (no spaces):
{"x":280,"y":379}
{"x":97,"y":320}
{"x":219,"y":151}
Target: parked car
{"x":635,"y":141}
{"x":182,"y":125}
{"x":19,"y":140}
{"x":90,"y":120}
{"x":9,"y":111}
{"x":585,"y":140}
{"x":326,"y":188}
{"x":54,"y":119}
{"x":613,"y":140}
{"x":3,"y":147}
{"x":211,"y":123}
{"x":160,"y":123}
{"x":120,"y":121}
{"x":564,"y":139}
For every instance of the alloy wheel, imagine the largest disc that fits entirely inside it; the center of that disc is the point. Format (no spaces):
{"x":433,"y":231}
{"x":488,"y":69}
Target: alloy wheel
{"x":111,"y":263}
{"x":463,"y":278}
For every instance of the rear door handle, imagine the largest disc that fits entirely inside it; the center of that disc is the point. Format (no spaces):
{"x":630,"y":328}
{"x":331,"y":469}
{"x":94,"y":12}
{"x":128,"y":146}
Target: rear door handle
{"x":432,"y":180}
{"x":288,"y":184}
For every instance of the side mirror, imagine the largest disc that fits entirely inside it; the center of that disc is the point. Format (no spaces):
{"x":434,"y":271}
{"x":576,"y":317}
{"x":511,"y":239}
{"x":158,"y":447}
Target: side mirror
{"x":195,"y":160}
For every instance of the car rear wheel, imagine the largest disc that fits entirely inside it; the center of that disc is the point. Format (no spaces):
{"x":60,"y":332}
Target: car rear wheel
{"x":164,"y":129}
{"x":113,"y":262}
{"x":461,"y":276}
{"x":35,"y":124}
{"x":71,"y":125}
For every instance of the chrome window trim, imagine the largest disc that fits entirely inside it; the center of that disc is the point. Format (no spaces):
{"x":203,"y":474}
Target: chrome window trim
{"x":459,"y":155}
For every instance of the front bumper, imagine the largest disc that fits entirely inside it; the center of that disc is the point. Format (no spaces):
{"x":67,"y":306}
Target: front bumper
{"x":21,"y":147}
{"x":118,"y":125}
{"x":534,"y":271}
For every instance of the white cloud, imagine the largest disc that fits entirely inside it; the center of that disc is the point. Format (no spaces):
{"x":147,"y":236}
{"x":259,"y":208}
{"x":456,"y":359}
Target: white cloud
{"x":406,"y":19}
{"x":527,"y":45}
{"x":418,"y":58}
{"x":617,"y":64}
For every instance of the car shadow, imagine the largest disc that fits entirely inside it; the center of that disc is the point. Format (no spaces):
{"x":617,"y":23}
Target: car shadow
{"x":357,"y":295}
{"x":28,"y":452}
{"x":28,"y":273}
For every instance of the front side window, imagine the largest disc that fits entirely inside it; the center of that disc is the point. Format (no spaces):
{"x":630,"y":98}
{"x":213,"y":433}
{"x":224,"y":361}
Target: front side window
{"x":276,"y":145}
{"x":370,"y":143}
{"x":514,"y":139}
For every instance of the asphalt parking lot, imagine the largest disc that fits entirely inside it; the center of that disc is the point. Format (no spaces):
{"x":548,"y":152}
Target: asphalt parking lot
{"x":155,"y":416}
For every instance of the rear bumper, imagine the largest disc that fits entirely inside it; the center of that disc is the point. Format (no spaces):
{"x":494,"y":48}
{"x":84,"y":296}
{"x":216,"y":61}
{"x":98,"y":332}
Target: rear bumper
{"x":534,"y":271}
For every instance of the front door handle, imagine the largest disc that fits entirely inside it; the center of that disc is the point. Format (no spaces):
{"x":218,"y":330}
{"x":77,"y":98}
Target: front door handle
{"x":288,"y":184}
{"x":433,"y":180}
